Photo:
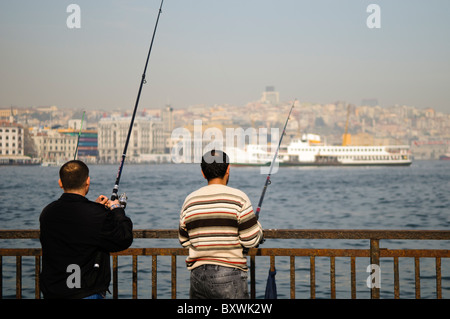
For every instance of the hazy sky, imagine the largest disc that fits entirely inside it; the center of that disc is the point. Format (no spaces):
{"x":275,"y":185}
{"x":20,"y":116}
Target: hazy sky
{"x":215,"y":52}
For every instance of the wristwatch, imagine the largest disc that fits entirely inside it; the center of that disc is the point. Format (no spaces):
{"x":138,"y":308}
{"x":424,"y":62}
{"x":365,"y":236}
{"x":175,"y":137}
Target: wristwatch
{"x":114,"y":206}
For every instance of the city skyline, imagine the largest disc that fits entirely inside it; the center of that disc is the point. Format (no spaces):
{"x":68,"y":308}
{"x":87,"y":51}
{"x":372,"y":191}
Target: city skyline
{"x":224,"y":53}
{"x":424,"y":130}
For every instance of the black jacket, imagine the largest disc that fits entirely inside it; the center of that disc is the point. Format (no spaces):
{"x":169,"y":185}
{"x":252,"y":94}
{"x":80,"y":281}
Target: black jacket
{"x":79,"y":233}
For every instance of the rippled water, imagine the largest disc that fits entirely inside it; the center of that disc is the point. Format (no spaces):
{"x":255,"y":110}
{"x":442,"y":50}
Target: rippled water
{"x":415,"y":197}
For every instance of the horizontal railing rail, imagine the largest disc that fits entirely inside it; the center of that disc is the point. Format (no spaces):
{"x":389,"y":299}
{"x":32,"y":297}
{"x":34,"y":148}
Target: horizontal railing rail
{"x":374,"y":252}
{"x":275,"y":233}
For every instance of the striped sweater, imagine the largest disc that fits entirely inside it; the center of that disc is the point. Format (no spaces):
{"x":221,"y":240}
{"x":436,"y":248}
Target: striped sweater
{"x":216,"y":222}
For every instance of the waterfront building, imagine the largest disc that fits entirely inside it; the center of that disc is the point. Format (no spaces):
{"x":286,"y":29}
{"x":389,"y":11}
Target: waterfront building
{"x":53,"y":146}
{"x":87,"y":139}
{"x":12,"y":141}
{"x":146,"y":138}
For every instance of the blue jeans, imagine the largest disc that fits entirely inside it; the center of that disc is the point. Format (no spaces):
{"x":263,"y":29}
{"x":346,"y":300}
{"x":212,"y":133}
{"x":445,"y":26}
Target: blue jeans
{"x":95,"y":296}
{"x":218,"y":282}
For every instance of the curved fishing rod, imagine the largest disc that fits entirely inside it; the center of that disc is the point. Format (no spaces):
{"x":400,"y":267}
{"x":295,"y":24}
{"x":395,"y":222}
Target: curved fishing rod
{"x":79,"y":134}
{"x":258,"y":209}
{"x":114,"y":195}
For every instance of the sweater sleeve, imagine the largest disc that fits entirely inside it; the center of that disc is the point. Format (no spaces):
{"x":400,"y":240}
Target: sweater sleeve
{"x":250,"y":230}
{"x":117,"y":231}
{"x":183,"y":235}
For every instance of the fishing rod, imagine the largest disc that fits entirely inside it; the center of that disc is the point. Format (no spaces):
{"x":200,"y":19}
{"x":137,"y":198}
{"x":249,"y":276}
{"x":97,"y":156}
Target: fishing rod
{"x":114,"y":195}
{"x":268,"y":182}
{"x":78,"y":140}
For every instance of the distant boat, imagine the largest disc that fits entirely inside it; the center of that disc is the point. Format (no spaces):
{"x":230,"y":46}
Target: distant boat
{"x":445,"y":157}
{"x":252,"y":155}
{"x":19,"y":160}
{"x":49,"y":164}
{"x":309,"y":151}
{"x":57,"y":163}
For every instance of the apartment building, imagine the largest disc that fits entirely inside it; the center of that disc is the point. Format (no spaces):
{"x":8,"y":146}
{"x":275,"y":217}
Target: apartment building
{"x":87,"y":143}
{"x":53,"y":146}
{"x":146,"y":138}
{"x":11,"y":139}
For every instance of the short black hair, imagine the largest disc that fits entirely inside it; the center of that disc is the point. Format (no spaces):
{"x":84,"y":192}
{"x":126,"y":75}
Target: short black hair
{"x":73,"y":174}
{"x":214,"y":164}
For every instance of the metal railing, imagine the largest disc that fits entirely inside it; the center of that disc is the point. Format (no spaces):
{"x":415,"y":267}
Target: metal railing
{"x":374,"y":252}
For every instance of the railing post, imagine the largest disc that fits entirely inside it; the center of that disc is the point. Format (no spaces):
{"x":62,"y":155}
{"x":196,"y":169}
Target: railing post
{"x":332,"y":277}
{"x":18,"y":277}
{"x":438,"y":278}
{"x":37,"y":271}
{"x":154,"y":276}
{"x":135,"y":276}
{"x":252,"y":277}
{"x":417,"y":276}
{"x":174,"y":276}
{"x":353,"y":276}
{"x":312,"y":276}
{"x":292,"y":273}
{"x":396,"y":279}
{"x":375,"y":260}
{"x":1,"y":277}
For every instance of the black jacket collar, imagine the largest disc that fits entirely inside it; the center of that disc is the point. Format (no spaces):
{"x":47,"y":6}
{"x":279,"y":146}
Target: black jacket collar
{"x":73,"y":197}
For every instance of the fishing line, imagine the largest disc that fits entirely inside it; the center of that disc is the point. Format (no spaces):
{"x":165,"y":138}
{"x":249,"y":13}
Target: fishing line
{"x":268,"y":182}
{"x":114,"y":195}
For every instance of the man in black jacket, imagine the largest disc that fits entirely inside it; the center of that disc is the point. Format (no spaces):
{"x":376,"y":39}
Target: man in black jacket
{"x":77,"y":236}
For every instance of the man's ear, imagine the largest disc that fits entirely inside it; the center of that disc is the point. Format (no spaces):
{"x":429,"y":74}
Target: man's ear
{"x":204,"y":175}
{"x":88,"y":184}
{"x":60,"y":184}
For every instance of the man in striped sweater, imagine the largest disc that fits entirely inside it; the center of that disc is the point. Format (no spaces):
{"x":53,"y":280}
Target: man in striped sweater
{"x":216,"y":223}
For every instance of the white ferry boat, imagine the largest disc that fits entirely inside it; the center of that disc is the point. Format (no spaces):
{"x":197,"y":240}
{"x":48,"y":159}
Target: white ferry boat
{"x":309,"y":151}
{"x":252,"y":155}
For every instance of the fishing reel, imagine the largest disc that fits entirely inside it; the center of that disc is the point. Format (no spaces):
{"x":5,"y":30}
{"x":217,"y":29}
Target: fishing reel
{"x":123,"y":200}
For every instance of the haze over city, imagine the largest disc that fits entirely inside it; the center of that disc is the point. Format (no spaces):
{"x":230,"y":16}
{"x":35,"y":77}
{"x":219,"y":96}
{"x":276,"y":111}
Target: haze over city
{"x":224,"y":52}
